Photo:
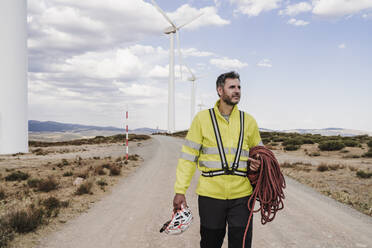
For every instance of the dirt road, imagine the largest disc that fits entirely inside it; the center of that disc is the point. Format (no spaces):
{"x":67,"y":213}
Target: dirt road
{"x":132,"y":215}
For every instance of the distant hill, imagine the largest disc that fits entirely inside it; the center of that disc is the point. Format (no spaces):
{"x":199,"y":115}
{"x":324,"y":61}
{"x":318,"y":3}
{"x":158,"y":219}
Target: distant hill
{"x":89,"y":131}
{"x":332,"y":131}
{"x":52,"y":126}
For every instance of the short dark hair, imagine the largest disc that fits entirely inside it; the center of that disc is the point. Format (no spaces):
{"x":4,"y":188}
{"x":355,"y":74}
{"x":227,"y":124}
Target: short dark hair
{"x":221,"y":78}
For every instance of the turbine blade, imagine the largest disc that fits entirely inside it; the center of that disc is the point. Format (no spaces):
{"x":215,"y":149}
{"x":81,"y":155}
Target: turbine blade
{"x":193,"y":19}
{"x":163,"y":13}
{"x":188,"y":68}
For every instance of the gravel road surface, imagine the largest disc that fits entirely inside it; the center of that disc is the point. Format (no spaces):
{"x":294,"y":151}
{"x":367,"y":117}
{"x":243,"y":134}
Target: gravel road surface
{"x":133,"y":213}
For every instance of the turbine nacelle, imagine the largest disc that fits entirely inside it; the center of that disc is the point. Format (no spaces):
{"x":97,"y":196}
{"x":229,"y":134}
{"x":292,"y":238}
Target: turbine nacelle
{"x":170,"y":30}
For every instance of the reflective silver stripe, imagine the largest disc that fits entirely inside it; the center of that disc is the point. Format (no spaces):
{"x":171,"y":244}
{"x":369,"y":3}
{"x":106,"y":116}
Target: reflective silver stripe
{"x":212,"y":150}
{"x":215,"y":173}
{"x":241,"y":173}
{"x":219,"y":173}
{"x":217,"y":164}
{"x":189,"y":157}
{"x":210,"y":164}
{"x":192,"y":144}
{"x":260,"y":144}
{"x":245,"y":153}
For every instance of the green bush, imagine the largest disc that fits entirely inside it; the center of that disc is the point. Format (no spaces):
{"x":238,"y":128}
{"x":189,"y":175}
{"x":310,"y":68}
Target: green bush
{"x":351,"y":143}
{"x":17,"y":176}
{"x":291,"y":147}
{"x":363,"y":174}
{"x":332,"y":145}
{"x":293,"y":141}
{"x":369,"y":144}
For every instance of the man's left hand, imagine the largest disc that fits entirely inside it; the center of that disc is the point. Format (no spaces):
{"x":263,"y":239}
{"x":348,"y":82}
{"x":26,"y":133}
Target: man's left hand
{"x":255,"y":164}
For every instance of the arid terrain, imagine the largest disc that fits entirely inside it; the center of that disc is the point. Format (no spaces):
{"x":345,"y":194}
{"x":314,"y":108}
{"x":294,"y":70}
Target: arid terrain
{"x":131,"y":208}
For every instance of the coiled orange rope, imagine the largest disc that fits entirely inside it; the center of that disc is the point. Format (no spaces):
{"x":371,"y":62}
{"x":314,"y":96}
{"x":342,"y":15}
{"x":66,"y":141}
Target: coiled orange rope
{"x":268,"y":190}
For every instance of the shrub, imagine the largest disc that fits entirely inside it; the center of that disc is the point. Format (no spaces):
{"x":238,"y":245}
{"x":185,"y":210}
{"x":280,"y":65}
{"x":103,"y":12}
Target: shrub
{"x":332,"y":145}
{"x":314,"y":154}
{"x":322,"y":167}
{"x":101,"y":183}
{"x":294,"y":141}
{"x":363,"y":174}
{"x":17,"y":176}
{"x":33,"y":182}
{"x":368,"y":154}
{"x":291,"y":147}
{"x":52,"y":206}
{"x":46,"y":185}
{"x":6,"y":233}
{"x":308,"y":141}
{"x":114,"y":170}
{"x":2,"y":195}
{"x":134,"y":157}
{"x":26,"y":220}
{"x":84,"y":188}
{"x":65,"y":162}
{"x":369,"y":144}
{"x":100,"y":170}
{"x":68,"y":174}
{"x":351,"y":143}
{"x":334,"y":167}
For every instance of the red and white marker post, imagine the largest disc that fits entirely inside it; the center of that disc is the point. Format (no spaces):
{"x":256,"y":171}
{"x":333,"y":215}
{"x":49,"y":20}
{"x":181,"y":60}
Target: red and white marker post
{"x":126,"y":141}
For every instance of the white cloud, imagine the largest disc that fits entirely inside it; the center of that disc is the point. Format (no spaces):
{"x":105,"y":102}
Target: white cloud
{"x":255,"y":7}
{"x":227,"y":63}
{"x":337,"y":8}
{"x":186,"y":13}
{"x":342,"y":46}
{"x":295,"y":22}
{"x":193,"y":52}
{"x":265,"y":63}
{"x":296,"y":9}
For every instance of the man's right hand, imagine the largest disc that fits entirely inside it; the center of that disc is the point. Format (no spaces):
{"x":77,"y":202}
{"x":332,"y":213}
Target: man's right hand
{"x":178,"y":200}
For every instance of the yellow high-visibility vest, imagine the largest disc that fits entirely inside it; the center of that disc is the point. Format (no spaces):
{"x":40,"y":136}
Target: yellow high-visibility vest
{"x":200,"y":149}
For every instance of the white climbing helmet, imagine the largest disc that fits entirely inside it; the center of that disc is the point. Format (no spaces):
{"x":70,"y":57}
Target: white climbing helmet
{"x":181,"y":220}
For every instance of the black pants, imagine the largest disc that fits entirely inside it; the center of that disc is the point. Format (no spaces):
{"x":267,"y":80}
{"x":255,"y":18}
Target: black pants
{"x":215,"y":214}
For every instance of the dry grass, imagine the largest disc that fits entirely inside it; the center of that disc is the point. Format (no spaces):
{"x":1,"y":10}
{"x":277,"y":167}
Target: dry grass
{"x":337,"y":181}
{"x":46,"y":183}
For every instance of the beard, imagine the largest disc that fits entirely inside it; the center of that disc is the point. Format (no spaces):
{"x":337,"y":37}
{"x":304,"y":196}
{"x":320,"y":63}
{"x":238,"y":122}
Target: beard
{"x":229,"y":100}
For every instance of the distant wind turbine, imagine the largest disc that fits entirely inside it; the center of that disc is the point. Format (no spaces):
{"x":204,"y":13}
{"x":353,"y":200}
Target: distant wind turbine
{"x":192,"y":79}
{"x":171,"y":30}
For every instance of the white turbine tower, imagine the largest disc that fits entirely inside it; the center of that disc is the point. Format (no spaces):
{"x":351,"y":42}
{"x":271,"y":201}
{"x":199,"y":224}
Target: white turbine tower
{"x":192,"y":79}
{"x":13,"y":77}
{"x":171,"y":30}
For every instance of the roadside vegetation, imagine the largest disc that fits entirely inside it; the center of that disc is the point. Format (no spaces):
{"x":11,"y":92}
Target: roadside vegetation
{"x":31,"y":196}
{"x":95,"y":140}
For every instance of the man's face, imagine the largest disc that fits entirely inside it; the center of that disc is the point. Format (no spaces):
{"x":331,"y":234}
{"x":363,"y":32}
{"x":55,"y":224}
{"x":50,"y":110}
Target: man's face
{"x":230,"y":93}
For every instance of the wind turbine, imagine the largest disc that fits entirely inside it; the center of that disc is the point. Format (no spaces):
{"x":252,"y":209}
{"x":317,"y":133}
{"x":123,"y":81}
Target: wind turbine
{"x":13,"y":77}
{"x":171,"y":30}
{"x":192,"y":79}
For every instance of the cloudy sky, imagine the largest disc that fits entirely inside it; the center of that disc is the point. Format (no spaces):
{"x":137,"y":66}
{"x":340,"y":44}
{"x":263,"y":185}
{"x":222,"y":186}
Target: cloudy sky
{"x":303,"y":64}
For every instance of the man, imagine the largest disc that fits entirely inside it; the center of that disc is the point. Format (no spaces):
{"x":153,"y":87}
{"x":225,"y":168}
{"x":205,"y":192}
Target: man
{"x":223,"y":187}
